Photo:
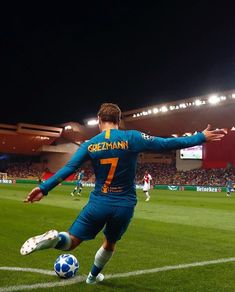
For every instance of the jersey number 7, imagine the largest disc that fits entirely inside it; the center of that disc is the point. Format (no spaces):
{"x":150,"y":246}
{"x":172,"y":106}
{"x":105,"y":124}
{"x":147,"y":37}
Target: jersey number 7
{"x":113,"y":162}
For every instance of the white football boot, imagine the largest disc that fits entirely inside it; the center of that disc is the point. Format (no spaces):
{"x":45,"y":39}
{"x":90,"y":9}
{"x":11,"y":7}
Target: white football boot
{"x":43,"y":241}
{"x":93,"y":280}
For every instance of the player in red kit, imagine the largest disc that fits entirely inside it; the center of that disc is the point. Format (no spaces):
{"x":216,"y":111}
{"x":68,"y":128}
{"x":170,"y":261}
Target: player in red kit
{"x":147,"y":185}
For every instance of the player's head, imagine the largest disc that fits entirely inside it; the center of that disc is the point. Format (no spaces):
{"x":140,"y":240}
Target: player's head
{"x":146,"y":172}
{"x":109,"y":113}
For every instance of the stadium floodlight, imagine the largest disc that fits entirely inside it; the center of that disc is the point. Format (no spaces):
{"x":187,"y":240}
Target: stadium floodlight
{"x":149,"y":111}
{"x":198,"y":102}
{"x":214,"y":99}
{"x":134,"y":116}
{"x":233,"y":129}
{"x":222,"y":97}
{"x":174,"y":135}
{"x":68,"y":127}
{"x":233,"y":95}
{"x":172,"y":107}
{"x":182,"y":105}
{"x":92,"y":122}
{"x":155,"y":110}
{"x":164,"y":109}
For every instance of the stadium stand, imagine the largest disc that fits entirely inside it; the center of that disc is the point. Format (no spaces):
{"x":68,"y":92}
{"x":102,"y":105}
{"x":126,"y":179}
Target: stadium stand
{"x":55,"y":145}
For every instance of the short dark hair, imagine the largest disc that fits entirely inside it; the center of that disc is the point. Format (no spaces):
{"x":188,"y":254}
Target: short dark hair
{"x":109,"y":112}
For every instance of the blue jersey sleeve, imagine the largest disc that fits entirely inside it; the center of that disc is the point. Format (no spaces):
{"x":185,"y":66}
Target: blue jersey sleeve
{"x":80,"y":156}
{"x":142,"y":142}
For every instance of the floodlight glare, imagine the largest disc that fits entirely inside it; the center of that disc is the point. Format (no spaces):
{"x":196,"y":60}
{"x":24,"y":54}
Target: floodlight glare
{"x":92,"y":122}
{"x":198,"y":102}
{"x":214,"y":99}
{"x":164,"y":109}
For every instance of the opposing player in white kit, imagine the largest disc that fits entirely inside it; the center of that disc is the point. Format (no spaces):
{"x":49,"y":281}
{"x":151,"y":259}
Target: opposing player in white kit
{"x":147,"y":185}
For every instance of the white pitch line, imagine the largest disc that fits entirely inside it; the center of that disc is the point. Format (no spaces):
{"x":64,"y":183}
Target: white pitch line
{"x":169,"y":268}
{"x":79,"y":279}
{"x":39,"y":271}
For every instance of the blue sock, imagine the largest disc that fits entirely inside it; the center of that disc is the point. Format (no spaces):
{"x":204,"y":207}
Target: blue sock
{"x":64,"y":242}
{"x":95,"y":270}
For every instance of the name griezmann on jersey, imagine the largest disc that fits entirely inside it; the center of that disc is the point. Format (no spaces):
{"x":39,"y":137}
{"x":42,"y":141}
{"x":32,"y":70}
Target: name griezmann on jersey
{"x":108,"y":146}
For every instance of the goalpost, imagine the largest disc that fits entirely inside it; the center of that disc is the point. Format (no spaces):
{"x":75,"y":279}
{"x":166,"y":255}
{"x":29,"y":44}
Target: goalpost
{"x":3,"y":176}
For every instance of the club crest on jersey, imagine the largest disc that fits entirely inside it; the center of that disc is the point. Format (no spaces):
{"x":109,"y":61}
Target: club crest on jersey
{"x":146,"y":136}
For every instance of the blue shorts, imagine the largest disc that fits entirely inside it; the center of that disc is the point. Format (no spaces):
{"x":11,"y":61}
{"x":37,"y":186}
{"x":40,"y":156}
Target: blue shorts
{"x":94,"y":217}
{"x":79,"y":184}
{"x":229,"y":189}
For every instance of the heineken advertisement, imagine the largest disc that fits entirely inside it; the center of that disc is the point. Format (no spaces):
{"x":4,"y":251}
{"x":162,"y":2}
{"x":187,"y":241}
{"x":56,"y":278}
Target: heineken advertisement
{"x":191,"y":188}
{"x":209,"y":189}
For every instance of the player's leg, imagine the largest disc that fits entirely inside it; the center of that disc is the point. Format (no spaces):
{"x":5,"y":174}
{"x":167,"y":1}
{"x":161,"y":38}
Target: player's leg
{"x":147,"y":196}
{"x":80,"y":189}
{"x":74,"y":191}
{"x":102,"y":256}
{"x":50,"y":239}
{"x":83,"y":228}
{"x":115,"y":228}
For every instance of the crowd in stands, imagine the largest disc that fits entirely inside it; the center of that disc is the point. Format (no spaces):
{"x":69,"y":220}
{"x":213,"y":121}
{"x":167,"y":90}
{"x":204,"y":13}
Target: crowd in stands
{"x":25,"y":170}
{"x":165,"y":174}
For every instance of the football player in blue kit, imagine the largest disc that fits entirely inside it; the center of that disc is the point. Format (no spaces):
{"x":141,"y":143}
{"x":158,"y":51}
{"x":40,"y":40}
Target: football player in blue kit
{"x":113,"y":154}
{"x":229,"y":187}
{"x":78,"y":188}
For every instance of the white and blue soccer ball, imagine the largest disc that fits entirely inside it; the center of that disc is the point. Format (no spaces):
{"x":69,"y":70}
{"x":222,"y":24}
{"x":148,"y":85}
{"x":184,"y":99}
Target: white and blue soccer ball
{"x":66,"y":266}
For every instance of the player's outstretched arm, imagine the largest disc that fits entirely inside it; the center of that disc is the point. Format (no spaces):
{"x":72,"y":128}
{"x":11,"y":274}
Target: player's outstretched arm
{"x":34,"y":195}
{"x":214,"y":135}
{"x":142,"y":142}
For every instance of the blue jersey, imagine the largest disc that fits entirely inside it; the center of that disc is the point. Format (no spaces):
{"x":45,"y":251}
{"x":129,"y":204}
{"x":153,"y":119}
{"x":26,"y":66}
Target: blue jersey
{"x":80,"y":177}
{"x":229,"y":184}
{"x":114,"y":155}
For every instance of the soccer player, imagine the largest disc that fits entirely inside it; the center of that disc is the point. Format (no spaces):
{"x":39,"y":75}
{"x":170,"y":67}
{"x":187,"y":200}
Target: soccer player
{"x":111,"y":205}
{"x":78,"y":188}
{"x":229,"y":187}
{"x":147,"y":185}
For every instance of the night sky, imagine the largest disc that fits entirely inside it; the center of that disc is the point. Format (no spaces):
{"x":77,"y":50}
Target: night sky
{"x":58,"y":64}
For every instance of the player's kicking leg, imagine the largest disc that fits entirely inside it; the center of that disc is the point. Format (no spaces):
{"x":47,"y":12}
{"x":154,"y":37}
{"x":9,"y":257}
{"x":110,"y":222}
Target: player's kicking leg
{"x":50,"y":239}
{"x":39,"y":242}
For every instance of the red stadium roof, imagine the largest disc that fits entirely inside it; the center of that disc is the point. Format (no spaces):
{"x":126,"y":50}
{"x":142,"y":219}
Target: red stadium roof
{"x":26,"y":138}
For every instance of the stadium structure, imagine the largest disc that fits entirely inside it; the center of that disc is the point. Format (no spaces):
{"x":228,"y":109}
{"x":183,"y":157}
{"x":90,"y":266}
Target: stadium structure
{"x":54,"y":145}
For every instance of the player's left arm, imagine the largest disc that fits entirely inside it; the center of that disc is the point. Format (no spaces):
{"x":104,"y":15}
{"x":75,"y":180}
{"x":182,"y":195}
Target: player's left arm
{"x":74,"y":163}
{"x":143,"y":142}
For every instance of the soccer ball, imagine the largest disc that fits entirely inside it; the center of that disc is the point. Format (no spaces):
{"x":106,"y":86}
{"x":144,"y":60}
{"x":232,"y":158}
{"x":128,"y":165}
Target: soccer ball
{"x":66,"y":266}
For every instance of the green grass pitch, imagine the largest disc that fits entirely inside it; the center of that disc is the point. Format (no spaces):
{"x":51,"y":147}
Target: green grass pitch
{"x":172,"y":229}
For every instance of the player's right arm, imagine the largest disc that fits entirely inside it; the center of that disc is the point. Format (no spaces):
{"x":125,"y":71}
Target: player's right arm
{"x":142,"y":142}
{"x":80,"y":156}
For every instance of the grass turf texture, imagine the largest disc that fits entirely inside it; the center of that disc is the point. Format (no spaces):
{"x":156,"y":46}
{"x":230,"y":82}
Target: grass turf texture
{"x":172,"y":228}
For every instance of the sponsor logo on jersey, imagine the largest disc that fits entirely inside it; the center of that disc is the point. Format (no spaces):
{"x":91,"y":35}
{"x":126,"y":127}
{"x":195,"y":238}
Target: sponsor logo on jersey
{"x":146,"y":136}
